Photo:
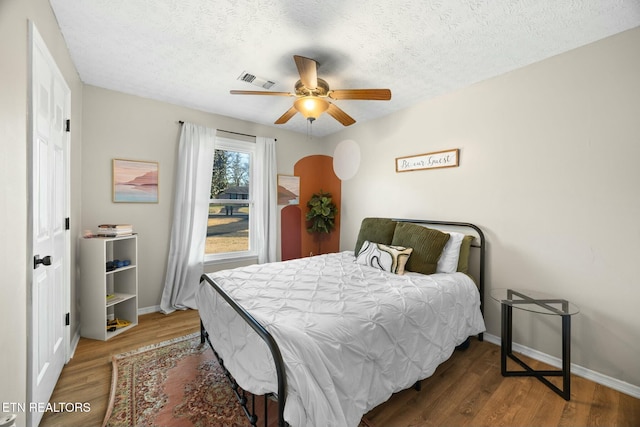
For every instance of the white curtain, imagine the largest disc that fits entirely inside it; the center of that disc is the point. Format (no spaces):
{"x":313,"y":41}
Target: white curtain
{"x":266,"y":199}
{"x":190,"y":214}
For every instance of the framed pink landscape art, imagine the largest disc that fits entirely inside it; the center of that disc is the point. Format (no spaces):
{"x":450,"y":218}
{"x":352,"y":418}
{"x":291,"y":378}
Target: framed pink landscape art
{"x":135,"y":181}
{"x":288,"y":190}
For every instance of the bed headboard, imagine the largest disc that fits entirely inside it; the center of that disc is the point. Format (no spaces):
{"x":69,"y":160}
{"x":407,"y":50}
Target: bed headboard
{"x":479,"y":244}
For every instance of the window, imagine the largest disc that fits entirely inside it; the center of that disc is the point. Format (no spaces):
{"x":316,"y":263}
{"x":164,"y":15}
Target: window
{"x":229,"y":227}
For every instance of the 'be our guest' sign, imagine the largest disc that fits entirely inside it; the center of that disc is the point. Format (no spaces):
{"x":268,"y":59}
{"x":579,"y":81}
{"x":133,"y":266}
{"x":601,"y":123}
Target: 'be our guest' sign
{"x":439,"y":159}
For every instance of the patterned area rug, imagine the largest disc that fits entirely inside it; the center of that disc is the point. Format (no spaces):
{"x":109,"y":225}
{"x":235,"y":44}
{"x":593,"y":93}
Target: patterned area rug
{"x":177,"y":383}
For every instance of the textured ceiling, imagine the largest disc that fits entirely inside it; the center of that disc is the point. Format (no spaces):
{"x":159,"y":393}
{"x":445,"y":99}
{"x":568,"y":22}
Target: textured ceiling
{"x":191,"y":52}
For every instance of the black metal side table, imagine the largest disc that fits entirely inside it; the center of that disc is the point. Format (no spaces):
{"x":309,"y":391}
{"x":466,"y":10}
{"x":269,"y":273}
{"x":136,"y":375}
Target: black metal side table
{"x":536,"y":302}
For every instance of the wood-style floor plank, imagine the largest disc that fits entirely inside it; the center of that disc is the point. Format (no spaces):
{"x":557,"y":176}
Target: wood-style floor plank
{"x":604,"y":411}
{"x":87,"y":377}
{"x":628,"y":410}
{"x":466,"y":390}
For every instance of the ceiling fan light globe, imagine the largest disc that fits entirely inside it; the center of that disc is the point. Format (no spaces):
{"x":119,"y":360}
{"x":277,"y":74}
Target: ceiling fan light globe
{"x":309,"y":104}
{"x":311,"y":107}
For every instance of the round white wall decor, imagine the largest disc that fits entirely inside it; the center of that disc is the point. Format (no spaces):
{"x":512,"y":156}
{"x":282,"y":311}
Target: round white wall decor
{"x":346,"y":159}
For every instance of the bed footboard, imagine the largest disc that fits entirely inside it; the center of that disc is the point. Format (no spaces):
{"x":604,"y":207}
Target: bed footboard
{"x":273,"y":348}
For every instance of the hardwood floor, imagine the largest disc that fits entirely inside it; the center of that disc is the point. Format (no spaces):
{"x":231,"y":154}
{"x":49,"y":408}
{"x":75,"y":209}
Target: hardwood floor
{"x":467,"y":390}
{"x":87,"y":377}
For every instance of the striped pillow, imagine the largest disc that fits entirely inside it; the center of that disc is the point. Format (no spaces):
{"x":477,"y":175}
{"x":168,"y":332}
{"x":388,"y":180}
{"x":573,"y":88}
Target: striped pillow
{"x":427,"y":244}
{"x":385,"y":257}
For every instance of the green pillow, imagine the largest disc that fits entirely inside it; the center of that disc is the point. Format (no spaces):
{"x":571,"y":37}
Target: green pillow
{"x":427,"y":245}
{"x":465,"y":250}
{"x":378,"y":230}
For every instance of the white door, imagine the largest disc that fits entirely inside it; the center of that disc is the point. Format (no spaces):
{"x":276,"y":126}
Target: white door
{"x":50,"y":285}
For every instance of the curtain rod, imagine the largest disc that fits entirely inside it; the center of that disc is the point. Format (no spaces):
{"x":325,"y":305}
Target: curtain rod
{"x":228,"y":131}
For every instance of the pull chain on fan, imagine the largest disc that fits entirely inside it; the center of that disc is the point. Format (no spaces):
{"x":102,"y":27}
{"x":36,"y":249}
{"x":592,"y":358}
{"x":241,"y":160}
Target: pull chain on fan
{"x":313,"y":95}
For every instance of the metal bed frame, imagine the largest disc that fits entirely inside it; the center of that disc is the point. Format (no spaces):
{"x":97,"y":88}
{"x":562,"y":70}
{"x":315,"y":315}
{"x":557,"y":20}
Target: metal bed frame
{"x":247,"y":400}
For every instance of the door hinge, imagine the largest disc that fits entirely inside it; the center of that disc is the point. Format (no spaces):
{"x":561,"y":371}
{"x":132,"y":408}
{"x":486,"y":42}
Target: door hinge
{"x":66,"y":223}
{"x":67,"y":125}
{"x":66,"y":320}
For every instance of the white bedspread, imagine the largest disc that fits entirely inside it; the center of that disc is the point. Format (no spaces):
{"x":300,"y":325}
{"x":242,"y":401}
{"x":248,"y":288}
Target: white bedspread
{"x":350,"y":335}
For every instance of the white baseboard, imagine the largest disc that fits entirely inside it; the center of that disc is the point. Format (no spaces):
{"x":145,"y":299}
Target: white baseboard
{"x":578,"y":370}
{"x":147,"y":310}
{"x":75,"y":339}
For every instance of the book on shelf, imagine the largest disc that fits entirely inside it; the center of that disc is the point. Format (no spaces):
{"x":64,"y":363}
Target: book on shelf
{"x":114,"y":233}
{"x":116,"y":226}
{"x":115,"y":230}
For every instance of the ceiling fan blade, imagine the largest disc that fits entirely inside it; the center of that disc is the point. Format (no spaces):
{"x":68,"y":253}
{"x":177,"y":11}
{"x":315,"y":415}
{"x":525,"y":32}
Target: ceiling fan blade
{"x":362,"y":94}
{"x":286,"y":116}
{"x":308,"y":70}
{"x":259,"y":92}
{"x":340,"y":115}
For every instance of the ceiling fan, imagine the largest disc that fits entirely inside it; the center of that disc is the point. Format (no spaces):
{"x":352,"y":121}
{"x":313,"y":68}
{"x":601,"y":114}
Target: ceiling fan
{"x":312,"y":95}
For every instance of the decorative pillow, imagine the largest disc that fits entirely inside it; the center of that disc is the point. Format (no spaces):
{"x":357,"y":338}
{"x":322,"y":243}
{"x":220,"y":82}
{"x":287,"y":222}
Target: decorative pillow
{"x":427,"y":245}
{"x":465,"y":249}
{"x":385,"y":257}
{"x":448,"y":262}
{"x":375,"y":230}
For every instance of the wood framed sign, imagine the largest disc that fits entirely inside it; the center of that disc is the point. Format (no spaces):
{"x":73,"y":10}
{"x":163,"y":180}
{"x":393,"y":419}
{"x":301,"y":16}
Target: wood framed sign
{"x":438,"y":159}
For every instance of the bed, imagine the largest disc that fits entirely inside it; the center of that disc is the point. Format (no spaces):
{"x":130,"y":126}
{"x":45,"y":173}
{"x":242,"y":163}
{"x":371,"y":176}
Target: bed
{"x":332,"y":336}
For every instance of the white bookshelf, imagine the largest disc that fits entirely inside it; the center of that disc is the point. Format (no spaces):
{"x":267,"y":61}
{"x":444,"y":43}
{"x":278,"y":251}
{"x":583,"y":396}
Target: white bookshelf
{"x":96,"y":283}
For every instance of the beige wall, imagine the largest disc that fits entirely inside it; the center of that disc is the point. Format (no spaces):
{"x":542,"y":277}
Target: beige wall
{"x":116,"y":125}
{"x":549,"y":168}
{"x":15,"y":249}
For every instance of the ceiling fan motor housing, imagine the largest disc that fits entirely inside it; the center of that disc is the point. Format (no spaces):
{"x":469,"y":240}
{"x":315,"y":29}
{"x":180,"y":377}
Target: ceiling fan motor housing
{"x":322,"y":89}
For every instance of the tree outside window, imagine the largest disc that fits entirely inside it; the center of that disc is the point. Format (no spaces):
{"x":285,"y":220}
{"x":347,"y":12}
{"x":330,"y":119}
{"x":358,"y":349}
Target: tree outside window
{"x":229,"y":221}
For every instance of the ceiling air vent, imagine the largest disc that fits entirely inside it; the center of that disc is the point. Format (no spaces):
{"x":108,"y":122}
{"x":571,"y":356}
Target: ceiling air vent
{"x":255,"y":80}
